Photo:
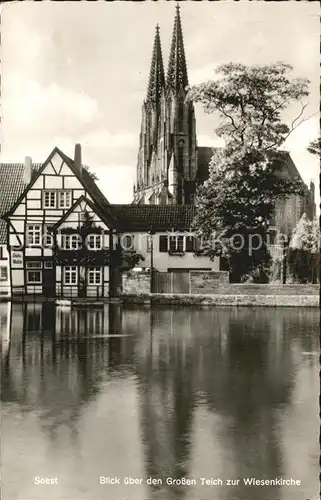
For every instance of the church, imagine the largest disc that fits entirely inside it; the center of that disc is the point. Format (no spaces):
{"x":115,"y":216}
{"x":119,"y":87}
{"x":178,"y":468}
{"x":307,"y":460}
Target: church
{"x":170,"y":163}
{"x":169,"y":160}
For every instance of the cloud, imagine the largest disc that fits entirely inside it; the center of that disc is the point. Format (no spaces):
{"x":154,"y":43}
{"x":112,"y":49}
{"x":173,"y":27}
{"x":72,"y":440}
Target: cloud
{"x":206,"y":140}
{"x":116,"y":182}
{"x":203,"y":73}
{"x":303,"y":135}
{"x":105,"y":139}
{"x":52,"y":106}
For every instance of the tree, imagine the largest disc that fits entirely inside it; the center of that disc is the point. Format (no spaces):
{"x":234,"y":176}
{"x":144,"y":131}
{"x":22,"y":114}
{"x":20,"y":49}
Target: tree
{"x":92,"y":174}
{"x":315,"y":147}
{"x":304,"y":249}
{"x":245,"y":177}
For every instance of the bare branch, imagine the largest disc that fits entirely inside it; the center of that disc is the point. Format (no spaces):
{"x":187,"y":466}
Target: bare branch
{"x":293,"y":127}
{"x":228,"y":116}
{"x":299,"y":116}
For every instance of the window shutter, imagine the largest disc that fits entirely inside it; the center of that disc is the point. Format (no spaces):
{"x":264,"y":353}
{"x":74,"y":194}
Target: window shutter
{"x":190,"y":244}
{"x":163,"y":243}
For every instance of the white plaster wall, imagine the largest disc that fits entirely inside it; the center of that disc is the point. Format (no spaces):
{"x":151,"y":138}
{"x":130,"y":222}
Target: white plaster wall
{"x":53,"y":182}
{"x":163,"y":260}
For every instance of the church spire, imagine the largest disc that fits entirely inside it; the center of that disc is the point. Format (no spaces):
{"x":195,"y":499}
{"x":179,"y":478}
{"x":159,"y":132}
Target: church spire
{"x":177,"y":71}
{"x":156,"y":75}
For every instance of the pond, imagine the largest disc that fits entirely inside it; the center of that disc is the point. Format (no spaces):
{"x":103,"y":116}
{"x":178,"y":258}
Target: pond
{"x":164,"y":404}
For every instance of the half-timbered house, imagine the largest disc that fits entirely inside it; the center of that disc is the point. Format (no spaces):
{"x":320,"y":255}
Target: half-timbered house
{"x":83,"y":242}
{"x":14,"y":178}
{"x":56,"y":194}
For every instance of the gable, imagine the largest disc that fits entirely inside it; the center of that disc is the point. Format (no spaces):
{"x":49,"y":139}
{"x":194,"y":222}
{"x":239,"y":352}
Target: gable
{"x":57,"y":166}
{"x":48,"y":178}
{"x":74,"y":217}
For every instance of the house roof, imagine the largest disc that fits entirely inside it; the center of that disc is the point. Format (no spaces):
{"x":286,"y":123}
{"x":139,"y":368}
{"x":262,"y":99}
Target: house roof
{"x":82,"y":175}
{"x":287,"y":170}
{"x":12,"y":186}
{"x":142,"y":218}
{"x":107,"y":218}
{"x":85,"y":178}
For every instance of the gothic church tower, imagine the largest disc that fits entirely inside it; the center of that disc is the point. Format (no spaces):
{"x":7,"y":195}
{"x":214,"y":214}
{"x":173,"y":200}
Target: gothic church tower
{"x":167,"y":157}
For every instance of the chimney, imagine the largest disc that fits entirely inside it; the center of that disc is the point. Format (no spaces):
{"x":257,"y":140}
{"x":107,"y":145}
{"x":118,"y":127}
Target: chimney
{"x":77,"y":159}
{"x":27,"y":170}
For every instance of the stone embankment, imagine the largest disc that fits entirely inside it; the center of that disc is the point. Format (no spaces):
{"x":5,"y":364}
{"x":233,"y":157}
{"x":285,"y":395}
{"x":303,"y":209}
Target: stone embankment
{"x":230,"y":299}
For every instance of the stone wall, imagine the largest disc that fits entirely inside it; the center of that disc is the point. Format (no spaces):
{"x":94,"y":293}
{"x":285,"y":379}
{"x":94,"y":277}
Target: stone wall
{"x":136,"y":282}
{"x":214,"y":283}
{"x":224,"y":300}
{"x":207,"y":281}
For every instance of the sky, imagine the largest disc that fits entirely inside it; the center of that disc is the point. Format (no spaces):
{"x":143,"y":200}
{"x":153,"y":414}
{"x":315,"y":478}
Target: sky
{"x":77,"y":72}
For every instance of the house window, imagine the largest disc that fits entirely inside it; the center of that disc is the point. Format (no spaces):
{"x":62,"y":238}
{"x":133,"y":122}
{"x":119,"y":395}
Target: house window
{"x":3,"y":273}
{"x":94,"y":241}
{"x":180,"y":243}
{"x":70,"y":242}
{"x":64,"y":199}
{"x":94,"y":276}
{"x":172,"y":244}
{"x":191,"y":244}
{"x":49,"y":199}
{"x":33,"y":234}
{"x":34,"y":277}
{"x":48,"y":264}
{"x":163,"y":243}
{"x":70,"y":275}
{"x":47,"y":238}
{"x":34,"y":264}
{"x":176,"y":244}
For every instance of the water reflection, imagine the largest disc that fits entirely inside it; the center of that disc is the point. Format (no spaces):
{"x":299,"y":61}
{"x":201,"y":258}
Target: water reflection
{"x":229,"y":393}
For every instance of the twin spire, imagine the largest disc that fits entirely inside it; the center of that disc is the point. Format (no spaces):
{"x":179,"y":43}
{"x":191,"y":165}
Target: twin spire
{"x":177,"y":70}
{"x":156,"y":76}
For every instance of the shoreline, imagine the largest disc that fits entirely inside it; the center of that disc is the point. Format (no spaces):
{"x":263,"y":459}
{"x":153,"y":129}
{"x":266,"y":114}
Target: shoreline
{"x":206,"y":300}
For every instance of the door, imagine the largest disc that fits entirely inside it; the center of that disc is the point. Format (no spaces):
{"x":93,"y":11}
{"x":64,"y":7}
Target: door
{"x":180,"y":280}
{"x":49,"y":279}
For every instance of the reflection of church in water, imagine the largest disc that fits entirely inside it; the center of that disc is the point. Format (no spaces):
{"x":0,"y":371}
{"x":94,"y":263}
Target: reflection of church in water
{"x":191,"y":385}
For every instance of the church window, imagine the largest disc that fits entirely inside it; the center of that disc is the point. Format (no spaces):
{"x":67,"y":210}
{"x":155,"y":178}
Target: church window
{"x":181,"y":116}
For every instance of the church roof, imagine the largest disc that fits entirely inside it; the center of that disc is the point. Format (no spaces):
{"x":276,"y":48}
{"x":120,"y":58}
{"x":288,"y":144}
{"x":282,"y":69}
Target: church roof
{"x":143,"y":218}
{"x":205,"y":154}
